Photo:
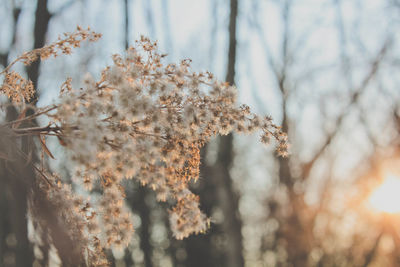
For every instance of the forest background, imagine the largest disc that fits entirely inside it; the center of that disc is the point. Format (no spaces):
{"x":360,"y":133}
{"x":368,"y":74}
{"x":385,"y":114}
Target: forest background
{"x":324,"y":70}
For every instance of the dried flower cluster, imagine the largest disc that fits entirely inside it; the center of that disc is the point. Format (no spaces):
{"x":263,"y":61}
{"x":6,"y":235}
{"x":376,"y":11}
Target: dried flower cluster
{"x":141,"y":120}
{"x":19,"y":89}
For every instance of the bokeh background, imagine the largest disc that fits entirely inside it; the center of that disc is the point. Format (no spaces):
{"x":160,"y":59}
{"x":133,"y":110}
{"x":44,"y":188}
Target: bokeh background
{"x":326,"y":70}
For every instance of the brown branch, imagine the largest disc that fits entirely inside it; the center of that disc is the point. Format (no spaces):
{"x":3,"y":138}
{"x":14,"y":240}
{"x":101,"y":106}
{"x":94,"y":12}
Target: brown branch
{"x":371,"y":254}
{"x":25,"y":157}
{"x":30,"y":117}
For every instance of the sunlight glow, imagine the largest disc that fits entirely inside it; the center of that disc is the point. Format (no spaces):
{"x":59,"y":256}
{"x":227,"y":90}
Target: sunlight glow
{"x":386,"y":197}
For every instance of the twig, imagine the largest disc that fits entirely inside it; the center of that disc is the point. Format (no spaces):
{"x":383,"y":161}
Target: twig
{"x":31,"y":116}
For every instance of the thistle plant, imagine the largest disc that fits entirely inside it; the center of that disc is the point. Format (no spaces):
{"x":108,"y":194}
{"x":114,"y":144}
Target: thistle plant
{"x":140,"y":120}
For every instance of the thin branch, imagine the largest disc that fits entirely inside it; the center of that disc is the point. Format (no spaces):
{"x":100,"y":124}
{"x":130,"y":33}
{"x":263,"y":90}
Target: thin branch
{"x":35,"y":115}
{"x":37,"y":130}
{"x":345,"y":61}
{"x":371,"y":254}
{"x":25,"y":157}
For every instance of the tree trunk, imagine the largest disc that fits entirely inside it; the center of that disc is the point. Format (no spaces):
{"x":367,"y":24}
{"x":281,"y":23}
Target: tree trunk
{"x":218,"y":188}
{"x":6,"y":196}
{"x":13,"y":172}
{"x":228,"y":198}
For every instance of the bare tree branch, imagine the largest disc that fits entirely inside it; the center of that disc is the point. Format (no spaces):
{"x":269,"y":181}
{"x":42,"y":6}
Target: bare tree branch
{"x":353,"y":99}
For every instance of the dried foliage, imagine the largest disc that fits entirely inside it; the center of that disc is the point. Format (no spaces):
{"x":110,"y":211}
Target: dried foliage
{"x":141,"y":120}
{"x":17,"y":88}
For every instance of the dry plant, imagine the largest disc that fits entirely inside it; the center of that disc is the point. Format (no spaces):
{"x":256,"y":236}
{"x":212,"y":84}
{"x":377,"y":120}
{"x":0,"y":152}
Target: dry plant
{"x":141,"y":120}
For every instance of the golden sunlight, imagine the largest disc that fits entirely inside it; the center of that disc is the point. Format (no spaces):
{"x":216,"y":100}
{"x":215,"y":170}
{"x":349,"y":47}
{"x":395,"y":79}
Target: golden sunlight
{"x":386,"y":197}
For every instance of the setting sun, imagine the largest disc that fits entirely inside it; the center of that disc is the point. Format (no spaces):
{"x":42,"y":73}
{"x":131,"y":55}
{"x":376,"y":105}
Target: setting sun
{"x":386,"y":197}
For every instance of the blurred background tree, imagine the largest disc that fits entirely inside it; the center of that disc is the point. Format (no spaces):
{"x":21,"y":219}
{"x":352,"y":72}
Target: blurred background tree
{"x":327,"y":69}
